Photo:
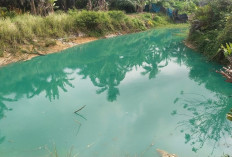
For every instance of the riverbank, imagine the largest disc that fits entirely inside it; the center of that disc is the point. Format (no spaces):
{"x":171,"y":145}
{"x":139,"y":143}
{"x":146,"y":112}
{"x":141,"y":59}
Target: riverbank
{"x":62,"y":44}
{"x":27,"y":36}
{"x":58,"y":46}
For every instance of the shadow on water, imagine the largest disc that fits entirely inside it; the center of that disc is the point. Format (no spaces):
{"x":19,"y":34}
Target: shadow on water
{"x":106,"y":63}
{"x":205,"y":117}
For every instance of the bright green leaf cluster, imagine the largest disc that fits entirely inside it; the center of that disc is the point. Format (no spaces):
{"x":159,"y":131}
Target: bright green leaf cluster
{"x":227,"y":49}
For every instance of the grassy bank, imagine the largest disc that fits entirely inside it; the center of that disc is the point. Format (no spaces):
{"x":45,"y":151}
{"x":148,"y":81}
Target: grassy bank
{"x":27,"y":33}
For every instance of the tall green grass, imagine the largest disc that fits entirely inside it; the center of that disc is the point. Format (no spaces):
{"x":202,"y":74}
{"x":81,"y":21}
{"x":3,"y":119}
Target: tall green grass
{"x":23,"y":29}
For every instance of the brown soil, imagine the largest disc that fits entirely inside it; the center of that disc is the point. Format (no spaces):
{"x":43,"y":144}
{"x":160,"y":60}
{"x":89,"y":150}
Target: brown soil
{"x":42,"y":50}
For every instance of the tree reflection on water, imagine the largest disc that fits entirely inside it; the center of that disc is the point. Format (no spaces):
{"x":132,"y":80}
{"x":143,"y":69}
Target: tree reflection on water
{"x":101,"y":61}
{"x":204,"y":119}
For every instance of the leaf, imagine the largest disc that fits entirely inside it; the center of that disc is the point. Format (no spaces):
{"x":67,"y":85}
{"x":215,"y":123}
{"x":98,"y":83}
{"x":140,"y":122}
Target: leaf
{"x":228,"y":49}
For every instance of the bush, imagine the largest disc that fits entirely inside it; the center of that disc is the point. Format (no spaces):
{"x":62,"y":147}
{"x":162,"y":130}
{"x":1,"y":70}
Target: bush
{"x":1,"y":53}
{"x":57,"y":24}
{"x":138,"y":25}
{"x":160,"y":19}
{"x":49,"y":43}
{"x":125,"y":5}
{"x":4,"y":13}
{"x":117,"y":15}
{"x":9,"y":32}
{"x":225,"y":36}
{"x":211,"y":27}
{"x":93,"y":22}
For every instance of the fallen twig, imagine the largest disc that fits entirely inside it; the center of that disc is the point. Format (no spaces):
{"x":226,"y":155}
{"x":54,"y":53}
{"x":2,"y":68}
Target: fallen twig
{"x":80,"y":109}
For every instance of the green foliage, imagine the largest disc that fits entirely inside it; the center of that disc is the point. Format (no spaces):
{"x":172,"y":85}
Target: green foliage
{"x":4,"y":13}
{"x":185,"y":6}
{"x":182,"y":6}
{"x":225,"y":36}
{"x":49,"y":43}
{"x":23,"y":29}
{"x":155,"y":19}
{"x":1,"y":53}
{"x":93,"y":22}
{"x":211,"y":27}
{"x":117,"y":15}
{"x":227,"y":49}
{"x":126,"y":5}
{"x":160,"y":19}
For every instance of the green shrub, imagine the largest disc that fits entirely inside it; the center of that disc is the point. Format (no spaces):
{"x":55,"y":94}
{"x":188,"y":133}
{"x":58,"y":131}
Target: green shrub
{"x":147,"y":16}
{"x":105,"y":22}
{"x":160,"y":19}
{"x":126,"y":5}
{"x":88,"y":21}
{"x":138,"y":25}
{"x":129,"y":22}
{"x":49,"y":43}
{"x":8,"y":31}
{"x":1,"y":53}
{"x":55,"y":24}
{"x":225,"y":35}
{"x":4,"y":13}
{"x":94,"y":23}
{"x":117,"y":15}
{"x":211,"y":27}
{"x":227,"y":49}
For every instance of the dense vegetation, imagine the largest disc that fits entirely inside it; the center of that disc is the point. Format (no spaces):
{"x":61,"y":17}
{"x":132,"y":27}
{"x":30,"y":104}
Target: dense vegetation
{"x":211,"y":28}
{"x":38,"y":23}
{"x":43,"y":7}
{"x":34,"y":30}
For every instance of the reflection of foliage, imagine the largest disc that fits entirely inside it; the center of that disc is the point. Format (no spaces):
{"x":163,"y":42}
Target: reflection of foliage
{"x":206,"y":120}
{"x":106,"y":67}
{"x":106,"y":75}
{"x":3,"y":107}
{"x":51,"y":85}
{"x":2,"y":139}
{"x":153,"y":58}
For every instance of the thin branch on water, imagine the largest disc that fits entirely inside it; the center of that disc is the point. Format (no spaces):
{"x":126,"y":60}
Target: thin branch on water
{"x":81,"y":116}
{"x":80,"y":109}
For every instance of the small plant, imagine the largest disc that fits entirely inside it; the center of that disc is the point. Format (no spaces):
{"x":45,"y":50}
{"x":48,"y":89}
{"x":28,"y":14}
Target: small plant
{"x":50,"y":43}
{"x":228,"y":49}
{"x":4,"y":13}
{"x":24,"y":51}
{"x":1,"y":53}
{"x":117,"y":15}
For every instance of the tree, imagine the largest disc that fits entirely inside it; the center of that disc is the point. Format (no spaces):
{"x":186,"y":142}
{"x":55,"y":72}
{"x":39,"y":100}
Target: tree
{"x":140,"y":5}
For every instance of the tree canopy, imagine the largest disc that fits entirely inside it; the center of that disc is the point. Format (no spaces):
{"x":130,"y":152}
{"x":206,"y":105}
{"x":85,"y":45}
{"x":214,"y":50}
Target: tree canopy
{"x":43,"y":7}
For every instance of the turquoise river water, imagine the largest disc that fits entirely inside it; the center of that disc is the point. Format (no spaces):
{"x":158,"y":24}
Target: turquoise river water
{"x":135,"y":94}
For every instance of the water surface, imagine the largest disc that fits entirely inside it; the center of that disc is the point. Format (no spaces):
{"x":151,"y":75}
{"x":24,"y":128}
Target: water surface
{"x":141,"y":92}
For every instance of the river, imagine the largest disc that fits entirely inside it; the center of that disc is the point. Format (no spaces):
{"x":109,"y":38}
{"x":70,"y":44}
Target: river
{"x":133,"y":94}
